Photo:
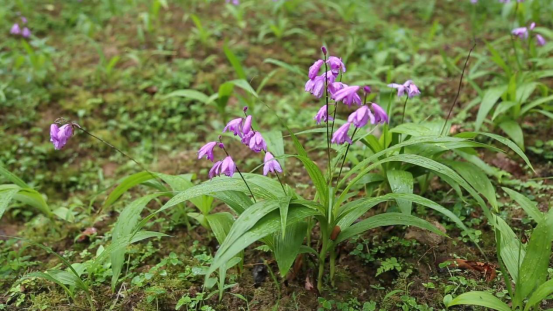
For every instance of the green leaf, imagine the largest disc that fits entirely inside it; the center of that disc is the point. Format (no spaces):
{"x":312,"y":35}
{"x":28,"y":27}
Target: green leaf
{"x":514,"y":131}
{"x":476,"y":178}
{"x":488,"y":102}
{"x":5,"y":198}
{"x":125,"y":225}
{"x":413,"y":129}
{"x":235,"y":62}
{"x":284,"y":65}
{"x":265,"y":226}
{"x":190,"y":94}
{"x":11,"y":177}
{"x":538,"y":102}
{"x":401,"y":182}
{"x":540,"y":294}
{"x":503,"y":107}
{"x":62,"y":213}
{"x":284,"y":203}
{"x":236,"y":200}
{"x":245,"y":85}
{"x":533,"y":269}
{"x":126,"y":184}
{"x":512,"y":250}
{"x":34,"y":198}
{"x":50,"y":278}
{"x":287,"y":246}
{"x":220,"y":224}
{"x":502,"y":140}
{"x":386,"y":219}
{"x":482,"y":299}
{"x":529,"y":207}
{"x":317,"y":178}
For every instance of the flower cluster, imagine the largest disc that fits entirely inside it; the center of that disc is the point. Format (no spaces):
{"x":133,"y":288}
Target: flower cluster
{"x":241,"y":127}
{"x":340,"y":92}
{"x":17,"y":31}
{"x":524,"y":32}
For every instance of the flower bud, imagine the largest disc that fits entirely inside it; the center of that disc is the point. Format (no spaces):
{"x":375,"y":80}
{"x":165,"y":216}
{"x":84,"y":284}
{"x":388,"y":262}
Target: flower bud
{"x":245,"y":109}
{"x":323,"y":49}
{"x":367,"y":89}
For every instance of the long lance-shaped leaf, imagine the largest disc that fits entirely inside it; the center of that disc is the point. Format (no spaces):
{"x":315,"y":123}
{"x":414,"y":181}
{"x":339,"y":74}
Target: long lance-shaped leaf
{"x":6,"y":197}
{"x":126,"y":184}
{"x":261,"y":186}
{"x":418,"y":140}
{"x":533,"y":269}
{"x":529,"y":207}
{"x":481,"y":299}
{"x":287,"y":247}
{"x":12,"y":177}
{"x":505,"y":141}
{"x":317,"y":178}
{"x":540,"y":294}
{"x":265,"y":226}
{"x":353,"y":210}
{"x":125,"y":225}
{"x":47,"y":277}
{"x":387,"y":219}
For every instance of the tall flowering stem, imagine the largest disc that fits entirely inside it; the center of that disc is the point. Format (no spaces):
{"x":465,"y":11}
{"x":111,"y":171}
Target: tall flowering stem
{"x":345,"y":156}
{"x":513,"y":39}
{"x":326,"y":102}
{"x":458,"y":89}
{"x":404,"y":108}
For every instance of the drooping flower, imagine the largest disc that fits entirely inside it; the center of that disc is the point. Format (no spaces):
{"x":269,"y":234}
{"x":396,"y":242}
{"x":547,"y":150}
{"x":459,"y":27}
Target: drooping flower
{"x":257,"y":143}
{"x":314,"y":69}
{"x":380,"y":115}
{"x":361,"y":117}
{"x":336,"y":65}
{"x":408,"y":88}
{"x":271,"y":164}
{"x":23,"y":19}
{"x":412,"y":90}
{"x":246,"y":138}
{"x":348,"y":95}
{"x":541,"y":41}
{"x":322,"y":115}
{"x":317,"y":86}
{"x":247,"y":125}
{"x":214,"y":171}
{"x":26,"y":33}
{"x":234,"y":2}
{"x":15,"y":30}
{"x":341,"y":134}
{"x":523,"y":32}
{"x":234,"y":126}
{"x":333,"y":88}
{"x":60,"y":135}
{"x":207,"y":151}
{"x":228,"y":167}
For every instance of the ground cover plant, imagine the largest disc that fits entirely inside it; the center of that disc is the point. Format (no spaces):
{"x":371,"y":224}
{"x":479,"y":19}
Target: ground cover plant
{"x":276,"y":155}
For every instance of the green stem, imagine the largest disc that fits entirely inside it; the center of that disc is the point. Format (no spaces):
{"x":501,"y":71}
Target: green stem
{"x":332,"y":265}
{"x":404,"y":108}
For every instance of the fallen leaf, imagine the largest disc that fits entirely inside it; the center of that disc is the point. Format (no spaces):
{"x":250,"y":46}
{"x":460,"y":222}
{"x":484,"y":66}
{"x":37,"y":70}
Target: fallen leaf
{"x":487,"y":269}
{"x":86,"y":234}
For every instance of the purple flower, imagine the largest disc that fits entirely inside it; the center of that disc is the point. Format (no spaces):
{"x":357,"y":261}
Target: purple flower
{"x":15,"y":29}
{"x":380,"y":115}
{"x":23,"y":19}
{"x":408,"y":87}
{"x":322,"y":115}
{"x":228,"y":167}
{"x":412,"y":90}
{"x":361,"y":116}
{"x":271,"y":164}
{"x":341,"y":134}
{"x":234,"y":126}
{"x":316,"y":86}
{"x":348,"y":95}
{"x":214,"y":171}
{"x":333,"y":88}
{"x":26,"y":33}
{"x":473,"y":1}
{"x":521,"y":32}
{"x":336,"y":65}
{"x":207,"y":151}
{"x":246,"y":138}
{"x":257,"y":143}
{"x":541,"y":41}
{"x":314,"y":69}
{"x":247,"y":125}
{"x":234,"y":2}
{"x":60,"y":135}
